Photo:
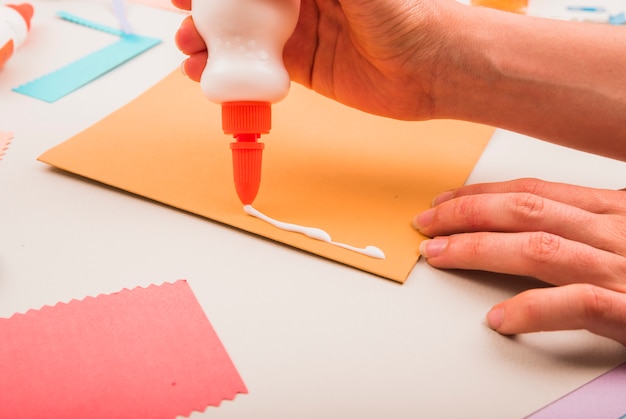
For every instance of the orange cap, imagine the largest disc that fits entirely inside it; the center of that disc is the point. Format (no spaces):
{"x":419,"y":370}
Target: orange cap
{"x":247,"y":158}
{"x":26,"y":10}
{"x":246,"y":121}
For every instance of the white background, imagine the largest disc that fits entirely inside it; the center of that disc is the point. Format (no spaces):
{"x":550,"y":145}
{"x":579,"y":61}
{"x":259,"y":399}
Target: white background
{"x":311,"y":338}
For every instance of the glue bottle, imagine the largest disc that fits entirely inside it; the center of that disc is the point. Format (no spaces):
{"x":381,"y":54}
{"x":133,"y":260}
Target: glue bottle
{"x":245,"y":73}
{"x":14,"y":27}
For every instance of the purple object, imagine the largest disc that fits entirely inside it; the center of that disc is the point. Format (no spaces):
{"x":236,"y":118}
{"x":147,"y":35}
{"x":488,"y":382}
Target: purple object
{"x":603,"y":397}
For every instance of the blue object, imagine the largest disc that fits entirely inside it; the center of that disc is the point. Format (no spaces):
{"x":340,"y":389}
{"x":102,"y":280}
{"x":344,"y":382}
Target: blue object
{"x":617,"y":19}
{"x":53,"y":86}
{"x":587,"y":9}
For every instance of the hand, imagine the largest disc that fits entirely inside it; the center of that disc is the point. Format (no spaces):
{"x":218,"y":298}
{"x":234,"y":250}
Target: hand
{"x":365,"y":54}
{"x":569,"y":236}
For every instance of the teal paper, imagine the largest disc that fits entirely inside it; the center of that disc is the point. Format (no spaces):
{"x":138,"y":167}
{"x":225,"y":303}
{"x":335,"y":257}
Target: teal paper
{"x":53,"y":86}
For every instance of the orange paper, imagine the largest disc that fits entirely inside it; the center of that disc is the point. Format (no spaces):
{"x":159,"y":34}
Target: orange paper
{"x":360,"y":177}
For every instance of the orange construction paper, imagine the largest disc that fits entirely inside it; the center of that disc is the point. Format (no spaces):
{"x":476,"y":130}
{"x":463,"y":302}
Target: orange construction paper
{"x":360,"y":177}
{"x":141,"y":353}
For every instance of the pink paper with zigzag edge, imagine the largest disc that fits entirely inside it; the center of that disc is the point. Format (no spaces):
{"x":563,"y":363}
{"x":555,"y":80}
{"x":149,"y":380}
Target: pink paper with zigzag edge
{"x":141,"y":353}
{"x":5,"y":140}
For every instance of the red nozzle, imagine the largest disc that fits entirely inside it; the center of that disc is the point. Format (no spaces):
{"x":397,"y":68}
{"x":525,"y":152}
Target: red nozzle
{"x":247,"y":157}
{"x":246,"y":121}
{"x":24,"y":9}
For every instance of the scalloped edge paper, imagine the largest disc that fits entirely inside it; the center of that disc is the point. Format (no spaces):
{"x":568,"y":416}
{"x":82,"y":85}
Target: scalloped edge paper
{"x":141,"y":353}
{"x":5,"y":141}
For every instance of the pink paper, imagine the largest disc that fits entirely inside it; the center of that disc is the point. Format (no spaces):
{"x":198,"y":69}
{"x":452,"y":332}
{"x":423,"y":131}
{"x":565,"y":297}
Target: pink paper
{"x":142,"y":353}
{"x":5,"y":140}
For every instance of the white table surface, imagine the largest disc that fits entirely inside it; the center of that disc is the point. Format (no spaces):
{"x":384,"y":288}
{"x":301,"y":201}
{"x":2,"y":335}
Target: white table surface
{"x":311,"y":338}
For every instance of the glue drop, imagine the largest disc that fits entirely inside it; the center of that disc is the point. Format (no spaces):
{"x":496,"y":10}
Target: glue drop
{"x":245,"y":73}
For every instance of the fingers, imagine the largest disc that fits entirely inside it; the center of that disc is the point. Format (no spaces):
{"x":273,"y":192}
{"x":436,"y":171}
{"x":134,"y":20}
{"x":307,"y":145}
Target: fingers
{"x":562,"y":234}
{"x":599,"y":201}
{"x":182,"y":4}
{"x":545,"y":256}
{"x":191,"y":43}
{"x":194,"y":65}
{"x":188,"y":39}
{"x":578,"y":306}
{"x":518,"y":212}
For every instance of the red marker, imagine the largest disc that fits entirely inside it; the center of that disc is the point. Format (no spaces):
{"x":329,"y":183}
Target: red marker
{"x":14,"y":27}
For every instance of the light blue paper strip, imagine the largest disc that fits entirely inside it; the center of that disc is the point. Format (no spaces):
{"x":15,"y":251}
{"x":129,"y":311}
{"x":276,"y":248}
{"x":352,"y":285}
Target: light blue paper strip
{"x":89,"y":23}
{"x":53,"y":86}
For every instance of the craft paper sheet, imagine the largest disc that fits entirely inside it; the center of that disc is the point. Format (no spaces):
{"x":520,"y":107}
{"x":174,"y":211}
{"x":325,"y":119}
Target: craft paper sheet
{"x":359,"y":177}
{"x":604,"y":397}
{"x":142,"y":353}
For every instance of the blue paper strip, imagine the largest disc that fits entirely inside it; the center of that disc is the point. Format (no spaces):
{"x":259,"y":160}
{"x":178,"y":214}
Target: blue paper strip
{"x":53,"y":86}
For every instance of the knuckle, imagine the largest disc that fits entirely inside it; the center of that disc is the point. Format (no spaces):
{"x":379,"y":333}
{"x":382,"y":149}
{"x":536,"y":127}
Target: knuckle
{"x":541,"y":247}
{"x":531,"y":186}
{"x":615,"y":234}
{"x":533,"y":311}
{"x":528,"y":205}
{"x":596,"y":305}
{"x":468,"y":212}
{"x":474,"y":248}
{"x":468,"y":249}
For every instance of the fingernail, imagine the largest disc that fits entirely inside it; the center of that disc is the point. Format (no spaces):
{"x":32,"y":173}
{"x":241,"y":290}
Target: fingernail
{"x":495,"y":317}
{"x":446,"y":196}
{"x":182,"y":68}
{"x":434,"y":247}
{"x":422,"y":220}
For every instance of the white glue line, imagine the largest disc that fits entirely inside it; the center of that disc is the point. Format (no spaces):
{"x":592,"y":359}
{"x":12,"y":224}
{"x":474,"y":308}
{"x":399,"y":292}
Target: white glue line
{"x":314,"y":233}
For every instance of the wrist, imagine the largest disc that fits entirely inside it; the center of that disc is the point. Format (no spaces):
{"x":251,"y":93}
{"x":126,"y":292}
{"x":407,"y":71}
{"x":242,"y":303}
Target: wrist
{"x":463,"y":70}
{"x":526,"y":74}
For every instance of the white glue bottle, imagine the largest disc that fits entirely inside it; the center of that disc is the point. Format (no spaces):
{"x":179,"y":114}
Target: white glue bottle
{"x":14,"y":27}
{"x":245,"y":73}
